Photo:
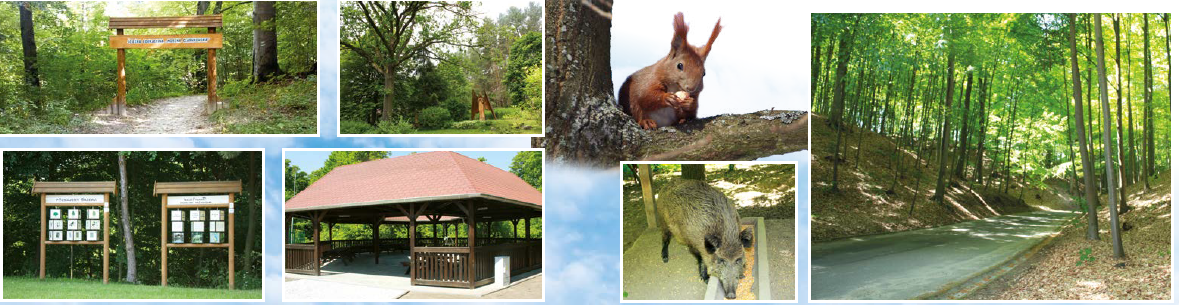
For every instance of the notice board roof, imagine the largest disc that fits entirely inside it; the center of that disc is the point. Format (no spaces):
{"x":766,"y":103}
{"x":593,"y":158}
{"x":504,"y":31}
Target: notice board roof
{"x":57,"y":187}
{"x":200,"y":187}
{"x":199,"y":21}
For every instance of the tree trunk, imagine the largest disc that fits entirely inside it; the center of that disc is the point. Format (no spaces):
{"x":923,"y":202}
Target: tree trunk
{"x":1087,"y":165}
{"x":29,"y":45}
{"x":940,"y":193}
{"x":960,"y":168}
{"x":202,"y":7}
{"x":253,"y":206}
{"x":692,"y":171}
{"x":1111,"y":177}
{"x":125,"y":219}
{"x":265,"y":42}
{"x":1122,"y":206}
{"x":1148,"y":92}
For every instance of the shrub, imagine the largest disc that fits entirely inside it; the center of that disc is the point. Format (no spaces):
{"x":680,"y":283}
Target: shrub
{"x":355,"y":127}
{"x":399,"y":126}
{"x":460,"y":108}
{"x":434,"y":118}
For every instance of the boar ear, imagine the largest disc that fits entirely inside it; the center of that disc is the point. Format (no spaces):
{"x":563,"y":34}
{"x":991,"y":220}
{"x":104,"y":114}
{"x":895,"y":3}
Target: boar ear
{"x":747,"y":237}
{"x":711,"y":243}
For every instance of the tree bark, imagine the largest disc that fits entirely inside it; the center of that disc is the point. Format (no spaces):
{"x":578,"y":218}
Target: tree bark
{"x":1148,"y":92}
{"x":29,"y":46}
{"x":960,"y":168}
{"x":940,"y":192}
{"x":253,"y":205}
{"x":1122,"y":206}
{"x":1111,"y":177}
{"x":265,"y":42}
{"x":692,"y":171}
{"x":1087,"y":165}
{"x":125,"y":219}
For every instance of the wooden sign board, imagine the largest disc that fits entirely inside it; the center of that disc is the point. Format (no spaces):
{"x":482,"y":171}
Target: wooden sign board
{"x":75,"y":199}
{"x":187,"y":41}
{"x":195,"y":200}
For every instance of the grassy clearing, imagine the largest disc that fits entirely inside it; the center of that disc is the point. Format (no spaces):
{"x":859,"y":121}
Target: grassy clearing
{"x":33,"y":288}
{"x":284,"y":107}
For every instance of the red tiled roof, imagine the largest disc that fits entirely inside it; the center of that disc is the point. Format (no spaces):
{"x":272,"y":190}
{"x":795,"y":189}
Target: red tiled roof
{"x":416,"y":177}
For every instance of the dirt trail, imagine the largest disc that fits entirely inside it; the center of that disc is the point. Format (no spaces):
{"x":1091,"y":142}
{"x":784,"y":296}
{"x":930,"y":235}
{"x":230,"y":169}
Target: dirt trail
{"x":177,"y":115}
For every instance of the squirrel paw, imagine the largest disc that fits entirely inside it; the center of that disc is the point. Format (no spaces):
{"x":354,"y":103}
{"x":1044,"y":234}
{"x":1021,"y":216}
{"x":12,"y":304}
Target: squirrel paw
{"x":648,"y":124}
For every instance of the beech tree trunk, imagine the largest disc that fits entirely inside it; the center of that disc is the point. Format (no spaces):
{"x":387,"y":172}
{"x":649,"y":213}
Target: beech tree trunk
{"x":1086,"y":163}
{"x":940,"y":192}
{"x":255,"y":213}
{"x":1111,"y":177}
{"x":125,"y":219}
{"x":29,"y":45}
{"x":265,"y":42}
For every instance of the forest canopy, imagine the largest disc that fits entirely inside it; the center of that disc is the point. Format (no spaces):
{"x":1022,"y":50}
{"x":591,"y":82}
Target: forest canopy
{"x":998,"y":87}
{"x":424,"y":73}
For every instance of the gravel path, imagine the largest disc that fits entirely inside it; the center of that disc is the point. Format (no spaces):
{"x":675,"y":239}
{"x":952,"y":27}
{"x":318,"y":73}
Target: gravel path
{"x":177,"y":115}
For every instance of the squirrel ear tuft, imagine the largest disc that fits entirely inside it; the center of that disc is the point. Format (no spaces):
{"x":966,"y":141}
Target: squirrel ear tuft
{"x":680,"y":40}
{"x":703,"y":50}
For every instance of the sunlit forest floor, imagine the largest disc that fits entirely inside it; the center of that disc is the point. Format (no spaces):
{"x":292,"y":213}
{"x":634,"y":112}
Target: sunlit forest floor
{"x":863,"y":205}
{"x":16,"y":287}
{"x":1058,"y":273}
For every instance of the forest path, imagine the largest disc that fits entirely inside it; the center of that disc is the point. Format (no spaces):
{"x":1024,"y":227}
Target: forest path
{"x":175,"y":115}
{"x":920,"y":263}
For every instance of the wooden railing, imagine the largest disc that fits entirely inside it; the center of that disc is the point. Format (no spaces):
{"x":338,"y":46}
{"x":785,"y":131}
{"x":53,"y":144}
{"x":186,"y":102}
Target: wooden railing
{"x":300,"y":258}
{"x":448,"y":266}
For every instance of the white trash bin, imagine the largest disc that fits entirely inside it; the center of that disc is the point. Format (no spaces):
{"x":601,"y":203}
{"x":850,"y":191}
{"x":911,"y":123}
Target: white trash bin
{"x":503,"y":269}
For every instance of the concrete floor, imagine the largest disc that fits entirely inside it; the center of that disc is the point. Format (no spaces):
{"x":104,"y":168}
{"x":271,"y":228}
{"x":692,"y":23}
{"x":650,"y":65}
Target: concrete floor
{"x":390,"y":274}
{"x":646,"y":277}
{"x":911,"y":264}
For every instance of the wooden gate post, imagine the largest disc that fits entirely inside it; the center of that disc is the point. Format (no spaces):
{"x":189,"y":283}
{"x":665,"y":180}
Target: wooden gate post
{"x":121,"y":97}
{"x":213,"y":103}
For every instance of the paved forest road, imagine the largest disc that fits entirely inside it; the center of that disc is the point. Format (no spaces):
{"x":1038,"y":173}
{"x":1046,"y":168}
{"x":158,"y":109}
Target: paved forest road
{"x":914,"y":264}
{"x":177,"y":115}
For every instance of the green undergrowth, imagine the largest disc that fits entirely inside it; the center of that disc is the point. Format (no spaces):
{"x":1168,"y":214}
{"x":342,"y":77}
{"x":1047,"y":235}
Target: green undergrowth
{"x":16,"y":287}
{"x":285,"y":106}
{"x":510,"y":120}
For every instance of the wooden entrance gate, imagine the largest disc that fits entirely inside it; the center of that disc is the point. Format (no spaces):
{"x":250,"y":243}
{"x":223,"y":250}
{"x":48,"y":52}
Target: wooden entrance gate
{"x":66,"y":203}
{"x":210,"y":41}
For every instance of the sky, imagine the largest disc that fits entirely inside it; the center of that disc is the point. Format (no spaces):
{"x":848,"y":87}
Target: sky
{"x":747,"y":69}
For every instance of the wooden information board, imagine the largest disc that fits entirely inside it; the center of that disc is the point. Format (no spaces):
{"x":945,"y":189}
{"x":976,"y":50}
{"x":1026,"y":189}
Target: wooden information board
{"x":200,"y":217}
{"x":190,"y":41}
{"x":78,"y":214}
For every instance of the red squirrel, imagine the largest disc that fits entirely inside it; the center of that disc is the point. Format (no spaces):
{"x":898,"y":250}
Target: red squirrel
{"x":667,"y":92}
